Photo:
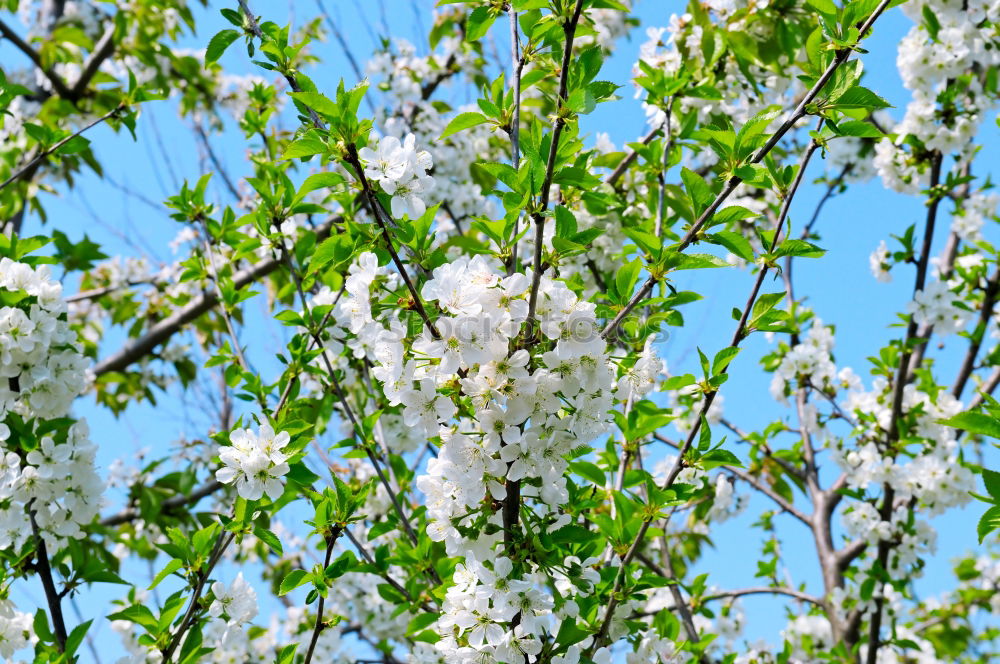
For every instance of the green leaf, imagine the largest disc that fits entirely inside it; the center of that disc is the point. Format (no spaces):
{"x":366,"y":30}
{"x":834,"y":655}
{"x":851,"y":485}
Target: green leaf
{"x":698,"y":191}
{"x":317,"y":102}
{"x":645,"y":241}
{"x":171,"y":567}
{"x":734,"y":242}
{"x":751,"y":133}
{"x":565,"y":223}
{"x":287,"y":654}
{"x":823,"y":6}
{"x":268,"y":538}
{"x":570,"y":633}
{"x":41,"y":626}
{"x":992,"y":481}
{"x":861,"y":97}
{"x":589,"y":471}
{"x":319,"y":181}
{"x":293,"y":580}
{"x":336,"y":248}
{"x":859,"y":129}
{"x":626,"y":278}
{"x":989,"y":522}
{"x":75,"y":637}
{"x":796,"y":247}
{"x":304,"y":147}
{"x":931,"y":22}
{"x":138,"y":614}
{"x":975,"y":423}
{"x":764,"y":304}
{"x":478,"y":24}
{"x":722,"y":359}
{"x":719,"y":457}
{"x":421,"y":622}
{"x":218,"y":45}
{"x":463,"y":121}
{"x":74,"y":145}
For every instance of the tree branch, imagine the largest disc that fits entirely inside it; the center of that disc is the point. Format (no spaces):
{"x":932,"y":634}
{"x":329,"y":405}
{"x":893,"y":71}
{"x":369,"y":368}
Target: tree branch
{"x":44,"y":569}
{"x":29,"y":167}
{"x":840,"y":58}
{"x":569,"y":30}
{"x":138,"y":348}
{"x":331,"y":539}
{"x":976,"y":340}
{"x":57,"y":82}
{"x":755,"y":483}
{"x":767,"y":590}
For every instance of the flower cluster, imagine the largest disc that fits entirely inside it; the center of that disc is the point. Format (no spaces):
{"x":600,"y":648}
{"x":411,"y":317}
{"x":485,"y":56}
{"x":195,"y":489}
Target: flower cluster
{"x":936,"y":305}
{"x":809,"y":362}
{"x":401,"y":170}
{"x":255,"y":462}
{"x":50,"y":475}
{"x":16,"y":630}
{"x":43,"y":369}
{"x":504,"y":411}
{"x":237,"y":603}
{"x":962,"y":44}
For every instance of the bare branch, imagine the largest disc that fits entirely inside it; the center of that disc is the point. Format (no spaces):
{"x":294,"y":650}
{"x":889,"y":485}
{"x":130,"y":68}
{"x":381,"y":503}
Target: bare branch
{"x":767,"y":590}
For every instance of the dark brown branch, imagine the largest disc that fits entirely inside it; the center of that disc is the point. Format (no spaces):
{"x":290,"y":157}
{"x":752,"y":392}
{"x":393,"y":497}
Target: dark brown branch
{"x":102,"y":51}
{"x":738,"y":336}
{"x":902,"y":377}
{"x":221,"y":544}
{"x":44,"y":569}
{"x":630,"y":157}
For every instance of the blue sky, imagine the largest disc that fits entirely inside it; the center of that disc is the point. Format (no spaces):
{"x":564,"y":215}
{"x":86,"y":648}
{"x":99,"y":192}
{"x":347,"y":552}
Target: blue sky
{"x":840,"y":287}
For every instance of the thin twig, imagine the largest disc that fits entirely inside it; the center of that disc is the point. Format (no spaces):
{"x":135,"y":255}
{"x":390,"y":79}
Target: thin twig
{"x":738,"y":336}
{"x":331,"y":539}
{"x":516,"y":65}
{"x":902,"y":378}
{"x":767,"y":590}
{"x":976,"y":339}
{"x":221,"y":544}
{"x":48,"y":151}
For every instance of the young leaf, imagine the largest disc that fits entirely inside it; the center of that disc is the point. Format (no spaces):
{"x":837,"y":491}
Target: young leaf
{"x":293,"y":580}
{"x":218,"y":45}
{"x":174,"y":565}
{"x":463,"y":121}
